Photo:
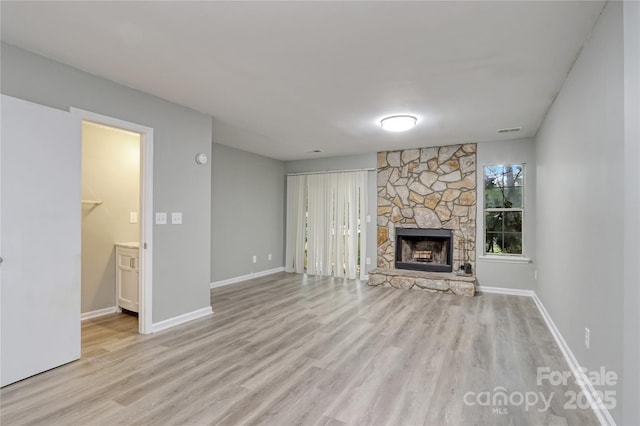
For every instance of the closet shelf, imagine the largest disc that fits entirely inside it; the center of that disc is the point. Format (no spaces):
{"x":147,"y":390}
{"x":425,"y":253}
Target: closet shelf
{"x":96,"y":202}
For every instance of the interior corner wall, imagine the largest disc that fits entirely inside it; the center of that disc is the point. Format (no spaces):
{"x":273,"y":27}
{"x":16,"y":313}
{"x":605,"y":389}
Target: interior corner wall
{"x":247,"y":211}
{"x":347,"y":162}
{"x":580,"y":197}
{"x":181,"y":260}
{"x":492,"y":273}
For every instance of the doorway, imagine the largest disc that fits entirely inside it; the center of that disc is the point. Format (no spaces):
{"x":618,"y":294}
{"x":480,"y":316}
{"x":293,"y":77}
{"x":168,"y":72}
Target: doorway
{"x":110,"y":228}
{"x":116,"y":217}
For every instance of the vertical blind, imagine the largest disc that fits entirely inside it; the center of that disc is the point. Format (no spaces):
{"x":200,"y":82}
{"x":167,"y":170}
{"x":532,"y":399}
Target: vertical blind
{"x":326,"y":229}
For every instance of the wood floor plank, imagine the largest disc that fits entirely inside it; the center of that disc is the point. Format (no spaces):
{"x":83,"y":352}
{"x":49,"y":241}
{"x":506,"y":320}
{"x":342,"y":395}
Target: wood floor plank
{"x":291,"y":349}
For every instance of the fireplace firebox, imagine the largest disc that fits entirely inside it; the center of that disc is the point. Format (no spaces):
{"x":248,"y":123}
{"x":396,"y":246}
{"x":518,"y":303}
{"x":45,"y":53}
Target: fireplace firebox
{"x":424,"y":249}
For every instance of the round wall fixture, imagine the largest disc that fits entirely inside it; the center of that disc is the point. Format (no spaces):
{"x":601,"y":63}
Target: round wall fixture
{"x":201,"y":159}
{"x":398,"y":123}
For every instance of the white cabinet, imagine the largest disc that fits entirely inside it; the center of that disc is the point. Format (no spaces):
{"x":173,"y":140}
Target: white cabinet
{"x":127,"y":276}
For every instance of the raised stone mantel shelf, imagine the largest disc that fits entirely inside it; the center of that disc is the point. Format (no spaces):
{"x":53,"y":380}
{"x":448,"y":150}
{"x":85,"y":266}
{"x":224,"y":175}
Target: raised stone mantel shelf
{"x":420,"y":280}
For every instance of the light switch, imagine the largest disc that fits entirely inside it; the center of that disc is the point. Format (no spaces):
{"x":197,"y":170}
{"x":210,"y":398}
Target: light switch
{"x":176,"y":218}
{"x":368,"y":218}
{"x":133,"y":217}
{"x":161,"y":218}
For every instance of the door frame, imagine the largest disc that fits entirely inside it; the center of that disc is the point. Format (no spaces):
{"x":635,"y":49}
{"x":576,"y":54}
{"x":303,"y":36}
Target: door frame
{"x":145,"y":316}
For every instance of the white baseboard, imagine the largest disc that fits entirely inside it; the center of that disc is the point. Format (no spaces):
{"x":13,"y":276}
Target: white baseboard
{"x":246,"y":277}
{"x":509,"y":291}
{"x":99,"y":313}
{"x":181,"y":319}
{"x":603,"y":415}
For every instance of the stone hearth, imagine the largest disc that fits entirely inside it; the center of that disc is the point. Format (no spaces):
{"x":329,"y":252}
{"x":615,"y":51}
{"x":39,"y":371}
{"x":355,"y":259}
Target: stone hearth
{"x":420,"y":280}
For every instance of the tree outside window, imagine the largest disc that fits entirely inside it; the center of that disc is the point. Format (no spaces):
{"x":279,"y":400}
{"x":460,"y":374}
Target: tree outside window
{"x":503,"y":209}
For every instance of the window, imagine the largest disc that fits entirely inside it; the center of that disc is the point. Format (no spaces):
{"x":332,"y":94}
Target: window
{"x":503,"y":209}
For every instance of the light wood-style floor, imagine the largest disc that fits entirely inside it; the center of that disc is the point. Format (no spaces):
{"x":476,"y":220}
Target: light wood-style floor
{"x":288,"y":349}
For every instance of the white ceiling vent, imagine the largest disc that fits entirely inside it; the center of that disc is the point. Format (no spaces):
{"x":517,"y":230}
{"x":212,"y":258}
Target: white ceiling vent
{"x":509,"y":129}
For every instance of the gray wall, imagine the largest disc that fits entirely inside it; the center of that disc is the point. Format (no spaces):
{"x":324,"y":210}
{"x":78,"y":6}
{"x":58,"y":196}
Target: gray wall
{"x":348,"y":162}
{"x":503,"y":274}
{"x":247,"y":211}
{"x":631,"y":384}
{"x":111,"y":174}
{"x":580,"y":169}
{"x":181,"y":260}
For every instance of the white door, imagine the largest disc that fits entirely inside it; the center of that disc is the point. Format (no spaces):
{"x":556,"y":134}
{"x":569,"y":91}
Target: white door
{"x":39,"y":238}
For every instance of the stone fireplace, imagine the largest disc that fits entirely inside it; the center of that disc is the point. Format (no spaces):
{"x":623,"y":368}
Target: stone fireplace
{"x":426,"y":219}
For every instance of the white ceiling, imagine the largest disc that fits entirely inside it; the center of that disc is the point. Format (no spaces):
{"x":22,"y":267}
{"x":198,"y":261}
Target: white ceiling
{"x":284,"y":78}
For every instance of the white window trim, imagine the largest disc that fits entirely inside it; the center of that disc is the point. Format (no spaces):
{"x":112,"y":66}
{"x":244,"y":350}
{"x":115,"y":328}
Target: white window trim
{"x":505,"y":258}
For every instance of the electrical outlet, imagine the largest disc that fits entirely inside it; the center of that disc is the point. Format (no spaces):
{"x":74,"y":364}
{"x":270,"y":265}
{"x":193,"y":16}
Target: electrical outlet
{"x":255,"y":259}
{"x":368,"y":218}
{"x":368,"y":261}
{"x":133,"y":217}
{"x":587,"y":337}
{"x":269,"y":256}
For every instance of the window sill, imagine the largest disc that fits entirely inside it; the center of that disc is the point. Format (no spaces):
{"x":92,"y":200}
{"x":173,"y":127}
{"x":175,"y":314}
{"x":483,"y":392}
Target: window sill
{"x":505,"y":259}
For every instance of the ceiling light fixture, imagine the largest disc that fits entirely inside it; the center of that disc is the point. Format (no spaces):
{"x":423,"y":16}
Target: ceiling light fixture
{"x":398,"y":123}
